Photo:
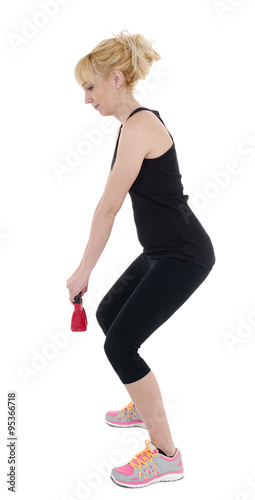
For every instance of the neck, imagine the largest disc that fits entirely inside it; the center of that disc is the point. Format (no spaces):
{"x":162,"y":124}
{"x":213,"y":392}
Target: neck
{"x":125,"y":108}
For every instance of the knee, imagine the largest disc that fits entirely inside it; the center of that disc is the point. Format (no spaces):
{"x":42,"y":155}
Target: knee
{"x":119,"y":352}
{"x":124,"y":359}
{"x":114,"y":352}
{"x":100,"y":316}
{"x":114,"y":356}
{"x":109,"y":349}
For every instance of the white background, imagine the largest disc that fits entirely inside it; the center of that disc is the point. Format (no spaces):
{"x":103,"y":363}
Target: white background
{"x":203,"y":357}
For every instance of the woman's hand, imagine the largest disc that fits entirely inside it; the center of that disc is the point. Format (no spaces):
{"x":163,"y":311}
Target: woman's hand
{"x":77,"y":283}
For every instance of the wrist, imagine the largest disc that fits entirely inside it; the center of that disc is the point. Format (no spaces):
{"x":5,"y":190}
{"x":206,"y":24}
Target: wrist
{"x":84,"y":269}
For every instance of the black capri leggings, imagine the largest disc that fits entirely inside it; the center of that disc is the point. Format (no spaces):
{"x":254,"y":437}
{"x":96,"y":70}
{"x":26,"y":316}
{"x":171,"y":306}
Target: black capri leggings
{"x":148,"y":292}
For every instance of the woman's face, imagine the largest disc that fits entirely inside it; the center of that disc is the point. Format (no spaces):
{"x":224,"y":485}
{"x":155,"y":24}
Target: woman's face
{"x":102,"y":94}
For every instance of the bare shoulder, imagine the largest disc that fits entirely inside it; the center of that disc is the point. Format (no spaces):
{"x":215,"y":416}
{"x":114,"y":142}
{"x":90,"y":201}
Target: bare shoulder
{"x":139,"y":125}
{"x":147,"y":127}
{"x":134,"y":137}
{"x":144,"y":118}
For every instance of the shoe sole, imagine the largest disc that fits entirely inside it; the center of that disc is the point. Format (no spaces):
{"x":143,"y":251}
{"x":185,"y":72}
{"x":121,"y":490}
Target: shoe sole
{"x":114,"y":424}
{"x":165,"y":478}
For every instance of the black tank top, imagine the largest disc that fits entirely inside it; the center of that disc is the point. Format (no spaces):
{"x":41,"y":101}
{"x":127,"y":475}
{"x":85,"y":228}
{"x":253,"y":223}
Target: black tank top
{"x":164,"y":221}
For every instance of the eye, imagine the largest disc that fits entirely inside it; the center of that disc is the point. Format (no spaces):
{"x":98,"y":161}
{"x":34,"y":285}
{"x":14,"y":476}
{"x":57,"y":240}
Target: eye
{"x":90,"y":88}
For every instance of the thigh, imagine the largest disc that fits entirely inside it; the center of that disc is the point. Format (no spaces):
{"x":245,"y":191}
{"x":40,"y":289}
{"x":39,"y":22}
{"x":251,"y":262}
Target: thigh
{"x":119,"y":293}
{"x":163,"y":289}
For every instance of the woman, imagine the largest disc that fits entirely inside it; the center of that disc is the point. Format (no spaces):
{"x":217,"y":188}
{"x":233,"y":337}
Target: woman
{"x":177,"y":252}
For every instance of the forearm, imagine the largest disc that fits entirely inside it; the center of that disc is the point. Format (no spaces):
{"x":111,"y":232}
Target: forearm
{"x":100,"y":231}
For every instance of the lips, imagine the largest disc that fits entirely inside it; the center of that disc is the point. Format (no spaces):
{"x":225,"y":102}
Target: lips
{"x":96,"y":106}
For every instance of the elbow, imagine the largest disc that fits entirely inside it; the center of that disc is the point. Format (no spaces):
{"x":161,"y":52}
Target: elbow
{"x":107,"y":211}
{"x":114,"y":211}
{"x":109,"y":207}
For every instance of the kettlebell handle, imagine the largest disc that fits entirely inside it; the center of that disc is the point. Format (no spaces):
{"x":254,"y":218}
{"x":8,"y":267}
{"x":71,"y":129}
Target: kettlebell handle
{"x":77,"y":298}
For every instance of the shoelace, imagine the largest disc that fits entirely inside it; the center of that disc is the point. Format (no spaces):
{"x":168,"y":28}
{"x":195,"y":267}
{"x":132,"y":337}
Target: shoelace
{"x":129,"y":407}
{"x":143,"y":457}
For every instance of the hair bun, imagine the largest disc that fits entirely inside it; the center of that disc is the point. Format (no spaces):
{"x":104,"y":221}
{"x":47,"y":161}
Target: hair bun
{"x":132,"y":54}
{"x":141,"y":51}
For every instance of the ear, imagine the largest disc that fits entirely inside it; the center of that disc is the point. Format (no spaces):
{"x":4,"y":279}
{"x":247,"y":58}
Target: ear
{"x":117,"y":78}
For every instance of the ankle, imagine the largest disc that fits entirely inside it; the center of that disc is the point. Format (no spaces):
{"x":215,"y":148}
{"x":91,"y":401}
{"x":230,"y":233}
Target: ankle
{"x":170,"y":452}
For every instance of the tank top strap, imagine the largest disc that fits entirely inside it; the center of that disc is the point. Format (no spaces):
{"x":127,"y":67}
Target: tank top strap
{"x":136,"y":111}
{"x":118,"y":137}
{"x":116,"y":147}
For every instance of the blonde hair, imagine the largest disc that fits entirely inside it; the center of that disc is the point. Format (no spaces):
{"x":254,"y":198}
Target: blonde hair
{"x":131,"y":54}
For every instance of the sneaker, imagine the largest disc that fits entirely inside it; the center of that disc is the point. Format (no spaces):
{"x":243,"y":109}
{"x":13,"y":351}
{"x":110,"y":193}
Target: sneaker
{"x":127,"y":417}
{"x":149,"y":466}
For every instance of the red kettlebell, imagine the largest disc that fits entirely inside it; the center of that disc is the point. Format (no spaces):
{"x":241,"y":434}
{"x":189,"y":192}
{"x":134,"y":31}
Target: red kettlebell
{"x":79,"y":319}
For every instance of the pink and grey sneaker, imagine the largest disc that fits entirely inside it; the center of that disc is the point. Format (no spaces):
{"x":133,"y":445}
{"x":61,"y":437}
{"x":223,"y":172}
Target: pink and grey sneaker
{"x":127,"y":417}
{"x":149,"y":466}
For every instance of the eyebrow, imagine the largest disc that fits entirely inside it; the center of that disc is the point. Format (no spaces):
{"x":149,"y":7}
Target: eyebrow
{"x":85,"y":83}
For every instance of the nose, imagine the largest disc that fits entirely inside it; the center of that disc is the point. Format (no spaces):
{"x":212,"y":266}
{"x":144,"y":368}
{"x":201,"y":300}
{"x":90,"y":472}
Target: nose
{"x":88,"y":99}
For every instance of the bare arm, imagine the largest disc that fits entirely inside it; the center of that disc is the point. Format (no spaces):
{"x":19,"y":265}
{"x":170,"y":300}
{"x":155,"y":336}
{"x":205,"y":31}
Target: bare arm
{"x":133,"y":147}
{"x":79,"y":267}
{"x":100,"y":231}
{"x":132,"y":150}
{"x":98,"y":204}
{"x":109,"y":173}
{"x":94,"y":226}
